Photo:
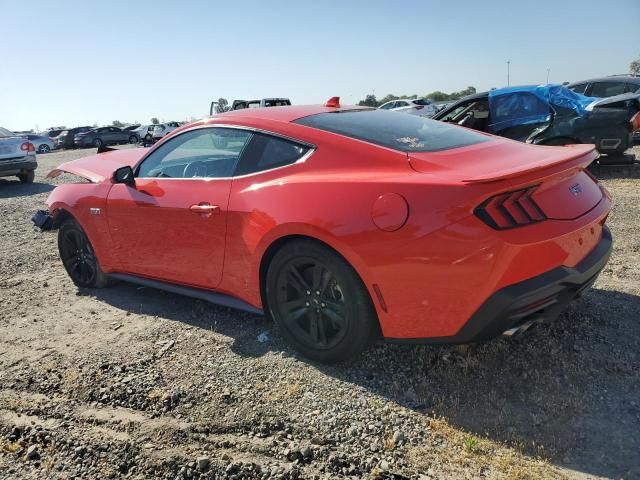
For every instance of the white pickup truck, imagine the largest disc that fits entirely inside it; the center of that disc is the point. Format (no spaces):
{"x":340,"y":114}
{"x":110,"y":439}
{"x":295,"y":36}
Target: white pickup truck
{"x":240,"y":104}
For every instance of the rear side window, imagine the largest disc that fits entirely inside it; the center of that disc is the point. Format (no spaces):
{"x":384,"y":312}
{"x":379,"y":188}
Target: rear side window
{"x":407,"y":133}
{"x":265,"y":152}
{"x":607,"y":89}
{"x":579,"y":88}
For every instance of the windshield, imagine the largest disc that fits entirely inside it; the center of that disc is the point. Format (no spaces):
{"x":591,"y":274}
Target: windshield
{"x":407,"y":133}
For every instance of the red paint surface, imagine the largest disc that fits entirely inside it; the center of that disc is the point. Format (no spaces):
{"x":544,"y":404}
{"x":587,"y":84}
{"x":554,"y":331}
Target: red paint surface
{"x":434,"y":271}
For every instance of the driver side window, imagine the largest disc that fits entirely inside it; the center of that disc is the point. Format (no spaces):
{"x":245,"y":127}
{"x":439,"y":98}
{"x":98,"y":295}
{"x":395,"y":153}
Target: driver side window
{"x":201,"y":153}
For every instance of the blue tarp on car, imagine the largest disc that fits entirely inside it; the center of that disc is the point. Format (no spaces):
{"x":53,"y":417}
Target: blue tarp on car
{"x":513,"y":106}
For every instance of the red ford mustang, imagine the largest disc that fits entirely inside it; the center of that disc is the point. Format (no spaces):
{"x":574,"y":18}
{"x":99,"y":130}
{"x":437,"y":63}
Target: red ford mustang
{"x":342,"y":224}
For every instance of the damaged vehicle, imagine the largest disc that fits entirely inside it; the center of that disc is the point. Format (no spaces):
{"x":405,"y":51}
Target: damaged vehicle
{"x":343,"y":224}
{"x":550,"y":115}
{"x":17,"y":156}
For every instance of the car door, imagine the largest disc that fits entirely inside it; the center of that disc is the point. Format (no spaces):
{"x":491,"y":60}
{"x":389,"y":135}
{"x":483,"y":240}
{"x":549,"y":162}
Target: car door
{"x":516,"y":115}
{"x":171,"y":224}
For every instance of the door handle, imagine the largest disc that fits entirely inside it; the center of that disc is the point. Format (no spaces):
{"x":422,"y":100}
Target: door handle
{"x":205,"y":209}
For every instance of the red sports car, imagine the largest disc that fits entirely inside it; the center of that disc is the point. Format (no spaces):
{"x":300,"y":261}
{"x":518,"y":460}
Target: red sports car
{"x":342,"y":224}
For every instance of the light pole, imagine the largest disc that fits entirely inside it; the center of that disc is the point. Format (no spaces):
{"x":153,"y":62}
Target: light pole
{"x":508,"y":63}
{"x":548,"y":70}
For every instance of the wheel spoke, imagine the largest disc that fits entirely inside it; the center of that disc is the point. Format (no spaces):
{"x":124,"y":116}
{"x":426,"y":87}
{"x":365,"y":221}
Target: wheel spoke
{"x":298,"y":282}
{"x":336,"y":318}
{"x":313,"y":326}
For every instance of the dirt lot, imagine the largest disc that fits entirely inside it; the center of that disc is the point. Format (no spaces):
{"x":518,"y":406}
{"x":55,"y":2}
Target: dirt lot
{"x":133,"y":382}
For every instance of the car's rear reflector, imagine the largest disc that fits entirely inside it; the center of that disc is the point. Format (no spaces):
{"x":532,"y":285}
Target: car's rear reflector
{"x":634,"y":123}
{"x":510,"y":210}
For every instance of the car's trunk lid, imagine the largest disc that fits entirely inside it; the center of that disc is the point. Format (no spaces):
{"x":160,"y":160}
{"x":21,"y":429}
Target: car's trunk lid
{"x":10,"y":147}
{"x":564,"y":191}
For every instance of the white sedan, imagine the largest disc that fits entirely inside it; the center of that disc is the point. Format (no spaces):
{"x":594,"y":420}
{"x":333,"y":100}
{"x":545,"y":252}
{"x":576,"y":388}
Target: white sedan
{"x":416,"y":106}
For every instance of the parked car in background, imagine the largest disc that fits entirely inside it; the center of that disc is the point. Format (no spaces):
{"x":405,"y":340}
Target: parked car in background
{"x":66,"y":138}
{"x":17,"y":156}
{"x":262,"y":103}
{"x":336,"y":250}
{"x":607,"y":86}
{"x":163,"y":129}
{"x":42,"y":143}
{"x":98,"y":137}
{"x":145,"y":132}
{"x":54,"y":133}
{"x":131,"y":127}
{"x":417,"y":106}
{"x":549,"y":115}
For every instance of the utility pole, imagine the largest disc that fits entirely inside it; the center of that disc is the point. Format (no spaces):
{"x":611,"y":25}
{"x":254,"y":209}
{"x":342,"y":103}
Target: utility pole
{"x":508,"y":63}
{"x":548,"y":70}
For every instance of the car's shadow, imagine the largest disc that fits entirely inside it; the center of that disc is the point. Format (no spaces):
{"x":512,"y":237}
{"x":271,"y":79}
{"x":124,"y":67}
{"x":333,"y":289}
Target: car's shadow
{"x":15,"y":188}
{"x":612,"y":167}
{"x":568,"y":391}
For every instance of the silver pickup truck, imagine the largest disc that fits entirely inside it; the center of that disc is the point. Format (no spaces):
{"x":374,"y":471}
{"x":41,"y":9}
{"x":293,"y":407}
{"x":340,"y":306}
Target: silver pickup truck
{"x":17,"y":156}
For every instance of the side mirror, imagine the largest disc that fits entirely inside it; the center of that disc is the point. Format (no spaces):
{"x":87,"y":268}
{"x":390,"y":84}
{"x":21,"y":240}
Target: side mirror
{"x":124,"y":175}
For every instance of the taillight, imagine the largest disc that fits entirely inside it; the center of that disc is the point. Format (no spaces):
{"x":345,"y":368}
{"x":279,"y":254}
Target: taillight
{"x":510,"y":210}
{"x":27,"y":147}
{"x":634,"y":123}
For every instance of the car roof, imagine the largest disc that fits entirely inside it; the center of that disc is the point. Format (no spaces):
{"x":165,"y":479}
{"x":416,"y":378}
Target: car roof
{"x":612,"y":78}
{"x":283,"y":114}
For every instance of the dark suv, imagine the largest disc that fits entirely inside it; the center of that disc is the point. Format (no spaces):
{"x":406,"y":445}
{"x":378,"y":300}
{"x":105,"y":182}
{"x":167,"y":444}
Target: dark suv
{"x":98,"y":137}
{"x":607,"y":86}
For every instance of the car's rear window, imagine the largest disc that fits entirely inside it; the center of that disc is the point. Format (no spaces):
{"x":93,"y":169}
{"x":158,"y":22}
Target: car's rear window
{"x":400,"y":131}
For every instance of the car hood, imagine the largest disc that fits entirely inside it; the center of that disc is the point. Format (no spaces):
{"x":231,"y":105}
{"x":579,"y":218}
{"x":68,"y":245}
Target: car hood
{"x":99,"y":168}
{"x":617,"y":101}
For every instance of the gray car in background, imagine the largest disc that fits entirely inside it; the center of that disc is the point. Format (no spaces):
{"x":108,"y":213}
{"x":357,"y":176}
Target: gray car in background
{"x":17,"y":156}
{"x":43,"y":144}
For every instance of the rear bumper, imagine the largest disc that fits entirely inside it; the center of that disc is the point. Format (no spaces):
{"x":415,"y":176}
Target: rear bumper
{"x":15,"y":166}
{"x":541,"y":298}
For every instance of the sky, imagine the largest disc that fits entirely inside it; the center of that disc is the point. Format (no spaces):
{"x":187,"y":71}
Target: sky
{"x":78,"y":63}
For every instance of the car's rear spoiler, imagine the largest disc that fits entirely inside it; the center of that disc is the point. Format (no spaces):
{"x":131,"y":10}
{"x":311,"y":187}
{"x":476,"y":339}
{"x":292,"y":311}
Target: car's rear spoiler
{"x":573,"y":156}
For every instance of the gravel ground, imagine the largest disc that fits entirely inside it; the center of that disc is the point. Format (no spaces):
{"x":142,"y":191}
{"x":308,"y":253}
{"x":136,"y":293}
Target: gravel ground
{"x":133,"y":382}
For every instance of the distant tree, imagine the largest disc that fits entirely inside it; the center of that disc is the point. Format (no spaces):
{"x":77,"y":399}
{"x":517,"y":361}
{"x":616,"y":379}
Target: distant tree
{"x":369,"y":101}
{"x":222,"y":105}
{"x":155,"y":120}
{"x":117,"y":123}
{"x":634,"y":67}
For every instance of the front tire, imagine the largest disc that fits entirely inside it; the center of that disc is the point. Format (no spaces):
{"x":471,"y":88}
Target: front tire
{"x":318,"y":302}
{"x":44,"y":148}
{"x":133,"y":139}
{"x":78,"y":256}
{"x":97,"y":143}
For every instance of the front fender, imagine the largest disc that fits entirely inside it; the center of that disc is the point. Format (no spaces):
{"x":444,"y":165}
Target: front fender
{"x":86,"y":203}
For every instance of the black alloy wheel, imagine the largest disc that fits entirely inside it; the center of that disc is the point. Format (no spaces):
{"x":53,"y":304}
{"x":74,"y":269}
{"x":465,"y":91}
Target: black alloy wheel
{"x":78,"y":256}
{"x":97,"y":143}
{"x":319,"y":303}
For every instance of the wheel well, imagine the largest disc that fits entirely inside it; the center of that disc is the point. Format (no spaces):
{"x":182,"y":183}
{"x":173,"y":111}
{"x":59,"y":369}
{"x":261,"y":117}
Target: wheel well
{"x":62,"y":216}
{"x":279,"y":244}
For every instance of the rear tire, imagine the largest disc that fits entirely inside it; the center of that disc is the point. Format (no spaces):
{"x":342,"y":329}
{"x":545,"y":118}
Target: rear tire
{"x":27,"y":177}
{"x":78,"y":257}
{"x":133,"y":139}
{"x":44,"y":148}
{"x":97,"y":143}
{"x":318,"y":302}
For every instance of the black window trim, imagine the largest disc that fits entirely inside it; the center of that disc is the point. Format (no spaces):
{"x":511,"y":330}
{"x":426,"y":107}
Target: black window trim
{"x":312,"y":148}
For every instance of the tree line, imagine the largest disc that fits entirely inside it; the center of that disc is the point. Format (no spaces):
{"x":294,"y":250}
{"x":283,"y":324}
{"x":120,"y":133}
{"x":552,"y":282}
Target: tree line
{"x":437,"y":96}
